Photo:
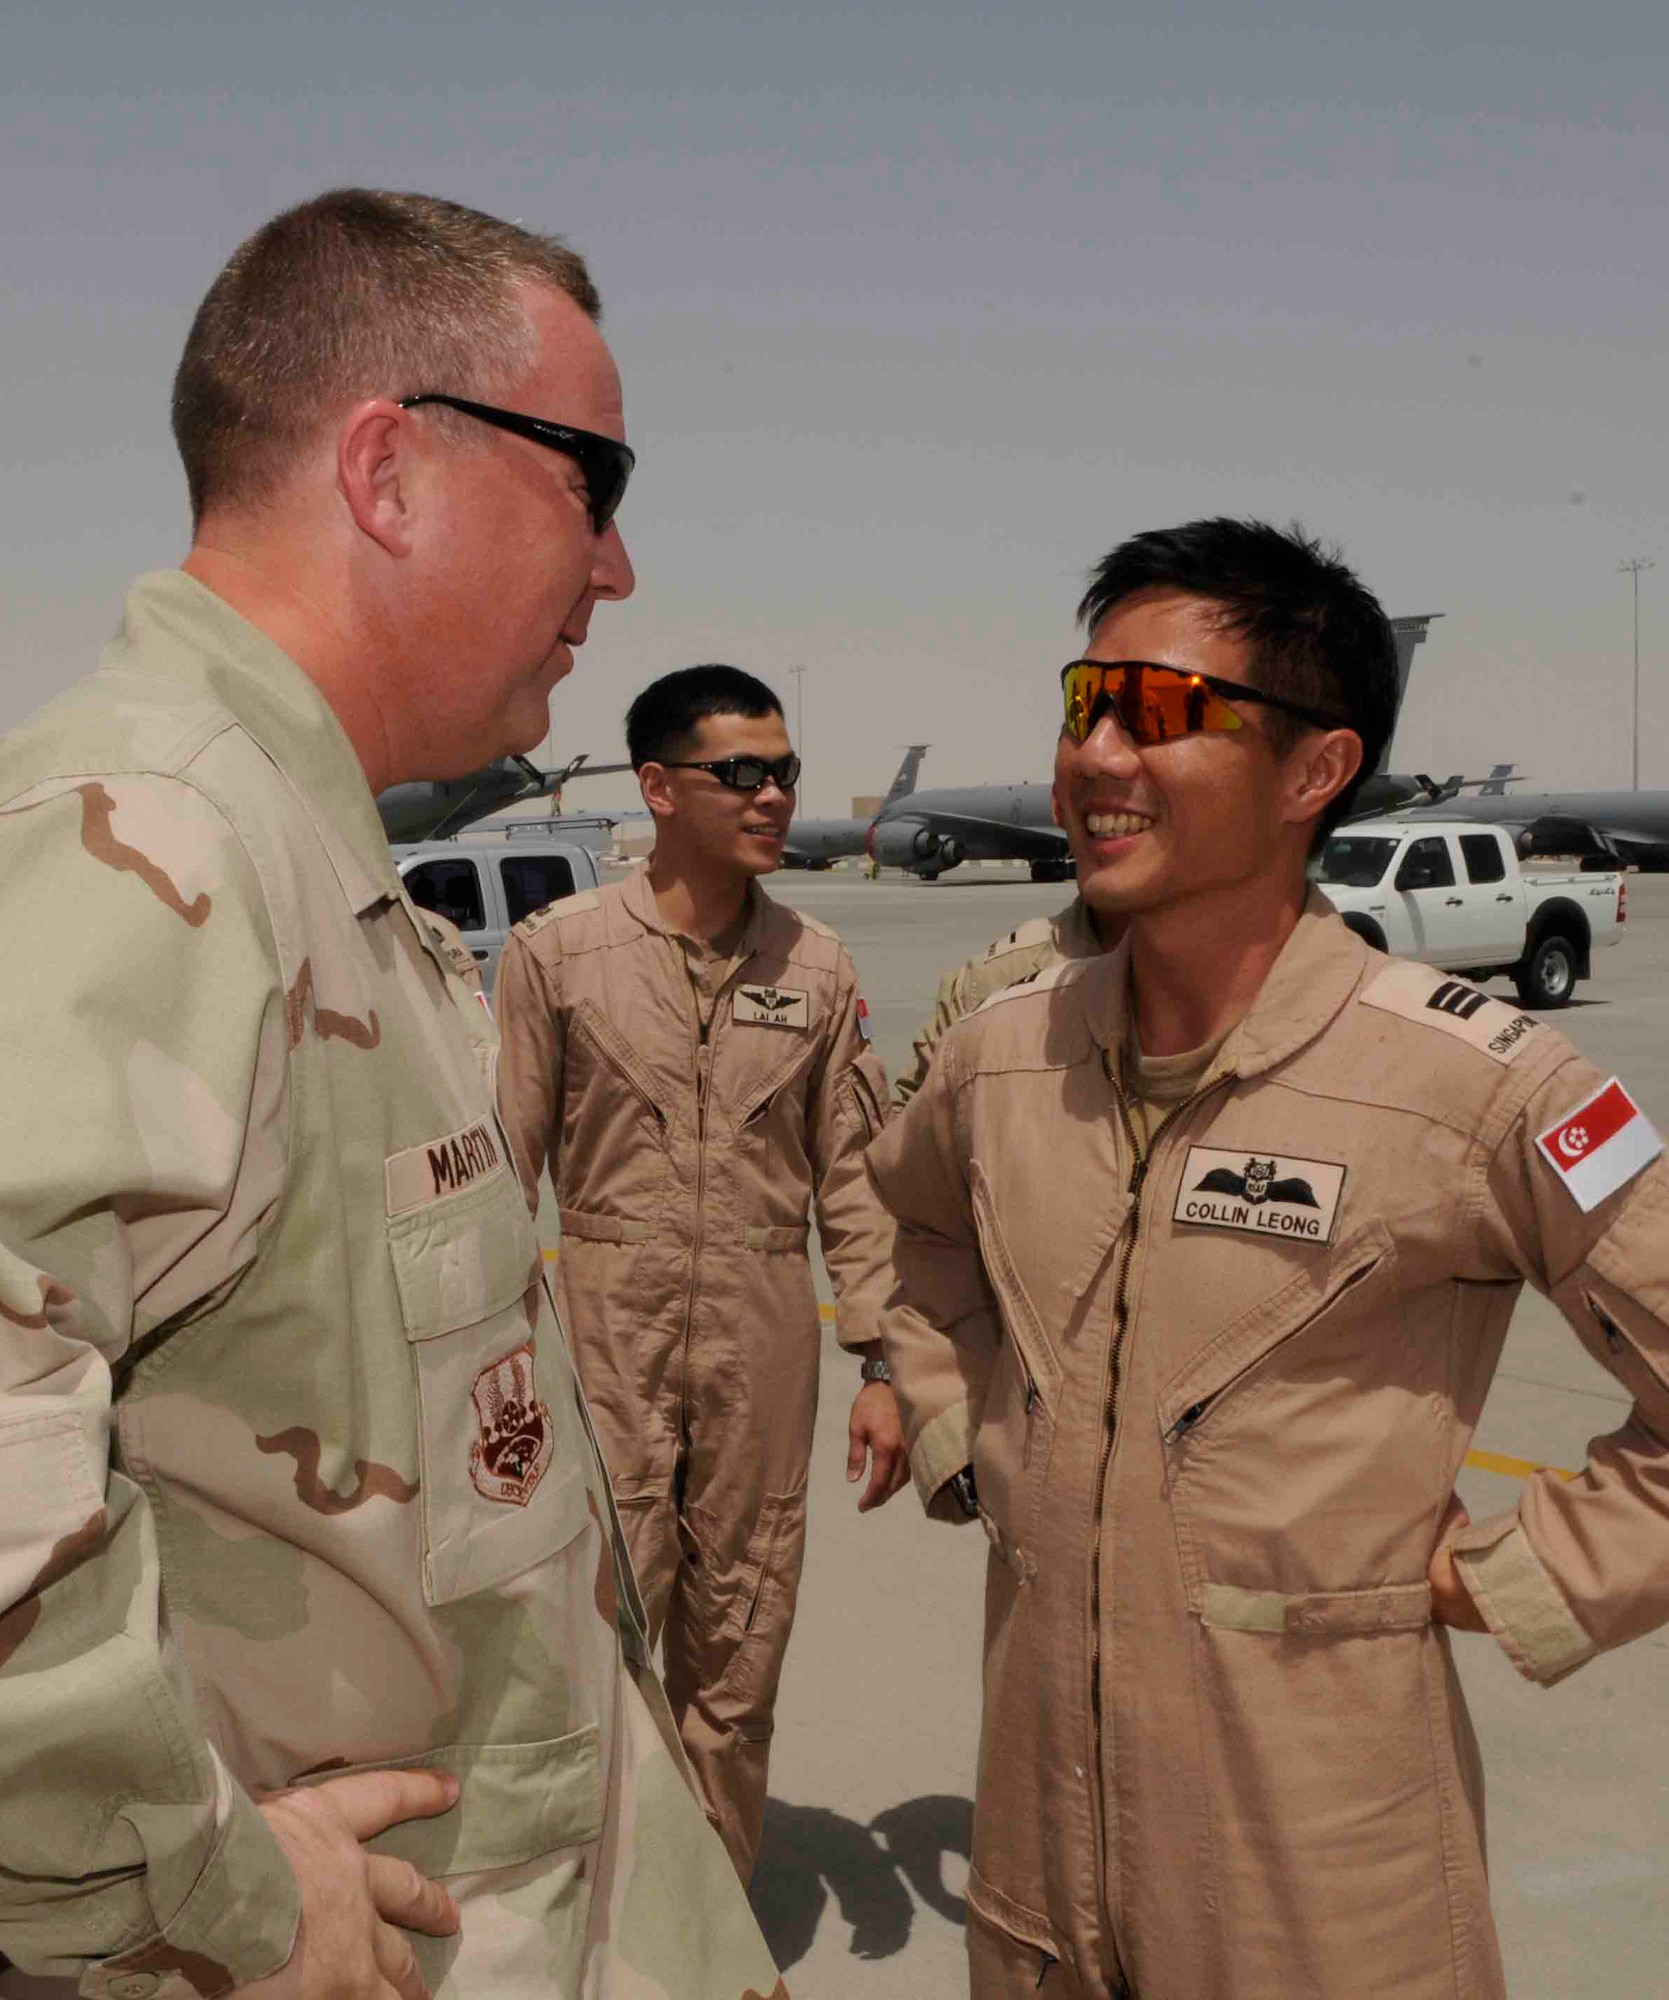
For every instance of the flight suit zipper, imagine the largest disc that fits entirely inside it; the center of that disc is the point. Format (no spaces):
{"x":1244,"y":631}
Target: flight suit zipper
{"x":1140,"y":1163}
{"x":703,"y":1072}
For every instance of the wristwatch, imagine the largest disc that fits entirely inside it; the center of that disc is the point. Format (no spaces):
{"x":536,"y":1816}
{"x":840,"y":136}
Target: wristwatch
{"x":875,"y":1368}
{"x":964,"y":1492}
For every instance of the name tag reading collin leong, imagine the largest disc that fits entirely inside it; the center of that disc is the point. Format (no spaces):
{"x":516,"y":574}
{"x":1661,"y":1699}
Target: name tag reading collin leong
{"x":1264,"y":1194}
{"x":442,"y":1166}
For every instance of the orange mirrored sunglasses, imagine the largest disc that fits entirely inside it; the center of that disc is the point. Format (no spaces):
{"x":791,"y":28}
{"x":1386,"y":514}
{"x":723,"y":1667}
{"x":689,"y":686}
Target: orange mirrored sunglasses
{"x":1153,"y":703}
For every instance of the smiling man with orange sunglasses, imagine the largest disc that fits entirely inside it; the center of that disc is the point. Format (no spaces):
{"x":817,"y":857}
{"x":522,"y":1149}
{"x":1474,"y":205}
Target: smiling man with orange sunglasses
{"x":1207,"y":1247}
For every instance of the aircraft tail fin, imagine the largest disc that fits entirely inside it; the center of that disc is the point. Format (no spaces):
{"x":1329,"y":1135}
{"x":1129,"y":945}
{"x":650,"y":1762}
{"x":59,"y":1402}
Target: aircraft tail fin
{"x":1495,"y":785}
{"x":905,"y":782}
{"x":1408,"y":633}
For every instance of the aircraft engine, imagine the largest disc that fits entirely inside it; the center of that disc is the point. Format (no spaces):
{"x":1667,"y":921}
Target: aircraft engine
{"x":907,"y":843}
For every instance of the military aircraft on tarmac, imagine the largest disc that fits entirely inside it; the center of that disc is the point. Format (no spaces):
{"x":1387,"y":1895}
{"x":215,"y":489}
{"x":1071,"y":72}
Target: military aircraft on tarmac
{"x":820,"y":843}
{"x":436,"y":808}
{"x":927,"y":833}
{"x":1613,"y":826}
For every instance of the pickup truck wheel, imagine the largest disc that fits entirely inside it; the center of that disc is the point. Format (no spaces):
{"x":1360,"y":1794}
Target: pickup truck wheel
{"x":1367,"y":930}
{"x":1547,"y":977}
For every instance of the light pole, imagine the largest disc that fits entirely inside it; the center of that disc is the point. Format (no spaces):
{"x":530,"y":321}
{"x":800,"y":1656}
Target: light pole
{"x":799,"y":674}
{"x":1632,"y":568}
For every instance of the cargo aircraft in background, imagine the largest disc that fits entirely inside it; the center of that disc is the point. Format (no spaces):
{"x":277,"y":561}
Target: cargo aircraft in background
{"x":437,"y":808}
{"x":1606,"y":827}
{"x":820,"y":843}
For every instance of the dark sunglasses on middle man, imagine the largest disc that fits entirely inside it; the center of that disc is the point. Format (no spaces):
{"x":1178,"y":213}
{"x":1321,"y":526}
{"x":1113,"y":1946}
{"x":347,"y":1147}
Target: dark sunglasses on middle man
{"x":744,"y":774}
{"x":1154,"y":704}
{"x":605,"y":463}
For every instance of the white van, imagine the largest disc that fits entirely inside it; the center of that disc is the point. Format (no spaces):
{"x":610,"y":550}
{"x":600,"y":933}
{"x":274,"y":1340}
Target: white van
{"x":485,"y":883}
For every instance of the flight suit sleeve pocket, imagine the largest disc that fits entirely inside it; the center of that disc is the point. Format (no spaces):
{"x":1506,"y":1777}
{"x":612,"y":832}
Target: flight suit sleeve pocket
{"x":503,"y":1451}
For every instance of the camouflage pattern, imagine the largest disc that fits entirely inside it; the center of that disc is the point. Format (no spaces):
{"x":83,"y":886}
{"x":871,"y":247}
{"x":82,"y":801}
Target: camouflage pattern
{"x":295,"y":1474}
{"x":1034,"y":946}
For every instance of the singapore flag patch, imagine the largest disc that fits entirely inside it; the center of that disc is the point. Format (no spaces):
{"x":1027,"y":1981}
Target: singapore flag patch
{"x":1600,"y":1145}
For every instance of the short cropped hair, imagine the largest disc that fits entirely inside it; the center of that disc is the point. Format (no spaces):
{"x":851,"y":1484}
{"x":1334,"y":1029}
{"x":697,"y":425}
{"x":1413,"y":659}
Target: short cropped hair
{"x":662,"y":722}
{"x":1315,"y":633}
{"x":355,"y":293}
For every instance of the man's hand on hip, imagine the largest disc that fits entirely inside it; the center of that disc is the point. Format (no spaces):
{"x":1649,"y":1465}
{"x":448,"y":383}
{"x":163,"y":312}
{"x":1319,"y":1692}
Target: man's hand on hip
{"x":356,"y":1907}
{"x":877,"y":1432}
{"x":1451,"y":1601}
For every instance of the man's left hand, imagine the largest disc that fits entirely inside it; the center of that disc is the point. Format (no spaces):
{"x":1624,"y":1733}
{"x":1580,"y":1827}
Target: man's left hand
{"x":877,"y":1432}
{"x":1451,"y":1601}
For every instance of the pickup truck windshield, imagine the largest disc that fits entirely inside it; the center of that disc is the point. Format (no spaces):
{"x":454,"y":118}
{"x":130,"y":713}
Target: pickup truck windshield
{"x":1355,"y":860}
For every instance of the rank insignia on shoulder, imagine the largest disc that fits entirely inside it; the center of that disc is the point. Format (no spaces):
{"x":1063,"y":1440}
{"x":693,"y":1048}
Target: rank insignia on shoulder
{"x":1600,"y":1146}
{"x":1416,"y":993}
{"x":1271,"y":1194}
{"x":772,"y":1006}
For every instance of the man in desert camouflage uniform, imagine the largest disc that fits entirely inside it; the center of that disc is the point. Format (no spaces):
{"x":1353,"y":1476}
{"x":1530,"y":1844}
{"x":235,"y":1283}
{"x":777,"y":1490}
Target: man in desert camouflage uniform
{"x":313,"y":1592}
{"x":1030,"y":948}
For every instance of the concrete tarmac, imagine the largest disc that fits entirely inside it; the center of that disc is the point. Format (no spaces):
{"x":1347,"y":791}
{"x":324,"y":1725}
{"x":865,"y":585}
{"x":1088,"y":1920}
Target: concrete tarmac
{"x":865,"y":1855}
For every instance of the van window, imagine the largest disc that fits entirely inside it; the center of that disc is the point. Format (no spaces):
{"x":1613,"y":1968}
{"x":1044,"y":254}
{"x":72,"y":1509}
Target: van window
{"x":1426,"y":865}
{"x":1484,"y":862}
{"x":533,"y":880}
{"x":452,"y":889}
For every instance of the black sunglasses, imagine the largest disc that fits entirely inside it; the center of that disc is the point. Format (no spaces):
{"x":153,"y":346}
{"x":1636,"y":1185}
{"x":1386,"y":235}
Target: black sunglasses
{"x":605,"y":464}
{"x":744,"y":774}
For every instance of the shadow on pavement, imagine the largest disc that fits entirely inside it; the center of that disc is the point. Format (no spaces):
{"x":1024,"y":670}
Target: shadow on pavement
{"x":809,"y":1853}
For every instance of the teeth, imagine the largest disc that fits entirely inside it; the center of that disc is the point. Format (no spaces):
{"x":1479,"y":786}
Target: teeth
{"x":1116,"y":826}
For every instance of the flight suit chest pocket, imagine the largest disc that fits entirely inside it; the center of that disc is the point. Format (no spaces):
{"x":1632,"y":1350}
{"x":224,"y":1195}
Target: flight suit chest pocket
{"x":503,"y":1454}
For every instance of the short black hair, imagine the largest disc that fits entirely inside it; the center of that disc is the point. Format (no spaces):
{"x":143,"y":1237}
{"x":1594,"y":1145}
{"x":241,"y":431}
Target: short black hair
{"x":1315,"y":632}
{"x":663,"y":720}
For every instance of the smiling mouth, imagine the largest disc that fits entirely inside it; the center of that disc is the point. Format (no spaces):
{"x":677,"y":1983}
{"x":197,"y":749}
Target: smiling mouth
{"x":1116,"y":825}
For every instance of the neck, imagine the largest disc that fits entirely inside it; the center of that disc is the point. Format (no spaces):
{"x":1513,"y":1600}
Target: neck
{"x":283,"y":599}
{"x":1197,"y":966}
{"x":702,"y":902}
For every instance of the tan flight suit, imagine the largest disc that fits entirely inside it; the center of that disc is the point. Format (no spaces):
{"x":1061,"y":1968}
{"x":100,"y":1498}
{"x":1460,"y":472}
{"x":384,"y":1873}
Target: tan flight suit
{"x":1036,"y":944}
{"x":690,"y":1108}
{"x":295,"y":1476}
{"x":1215,"y":1395}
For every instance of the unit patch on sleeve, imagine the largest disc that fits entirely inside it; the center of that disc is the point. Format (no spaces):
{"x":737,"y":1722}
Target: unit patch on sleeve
{"x":1265,"y":1194}
{"x":772,"y":1006}
{"x":1600,"y":1145}
{"x":1419,"y":994}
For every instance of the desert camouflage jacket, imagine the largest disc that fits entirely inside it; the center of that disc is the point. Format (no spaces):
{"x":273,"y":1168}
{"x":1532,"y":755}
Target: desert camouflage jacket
{"x":294,"y":1472}
{"x":1037,"y":944}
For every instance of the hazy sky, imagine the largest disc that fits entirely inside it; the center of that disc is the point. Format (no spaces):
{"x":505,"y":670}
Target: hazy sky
{"x":920,"y":310}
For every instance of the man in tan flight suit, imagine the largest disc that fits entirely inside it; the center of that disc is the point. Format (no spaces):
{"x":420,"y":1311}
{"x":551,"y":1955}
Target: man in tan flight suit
{"x":1206,"y":1252}
{"x":312,"y":1593}
{"x":691,"y":1063}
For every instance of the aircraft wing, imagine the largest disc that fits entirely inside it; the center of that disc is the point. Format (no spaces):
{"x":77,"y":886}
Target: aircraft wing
{"x":987,"y":839}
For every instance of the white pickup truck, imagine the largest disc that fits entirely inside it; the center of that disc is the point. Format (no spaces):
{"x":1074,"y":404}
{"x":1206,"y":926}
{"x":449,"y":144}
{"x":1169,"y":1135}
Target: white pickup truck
{"x":486,"y":884}
{"x":1452,"y":894}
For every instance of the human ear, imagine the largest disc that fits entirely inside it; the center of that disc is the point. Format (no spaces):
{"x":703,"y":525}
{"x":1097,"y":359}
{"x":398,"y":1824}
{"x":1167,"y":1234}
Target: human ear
{"x":1317,"y":770}
{"x":657,"y":793}
{"x":375,"y":464}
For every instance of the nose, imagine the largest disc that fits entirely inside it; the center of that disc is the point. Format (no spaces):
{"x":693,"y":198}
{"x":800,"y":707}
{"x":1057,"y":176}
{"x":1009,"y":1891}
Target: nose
{"x":1107,"y":748}
{"x":772,"y":790}
{"x":612,"y":574}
